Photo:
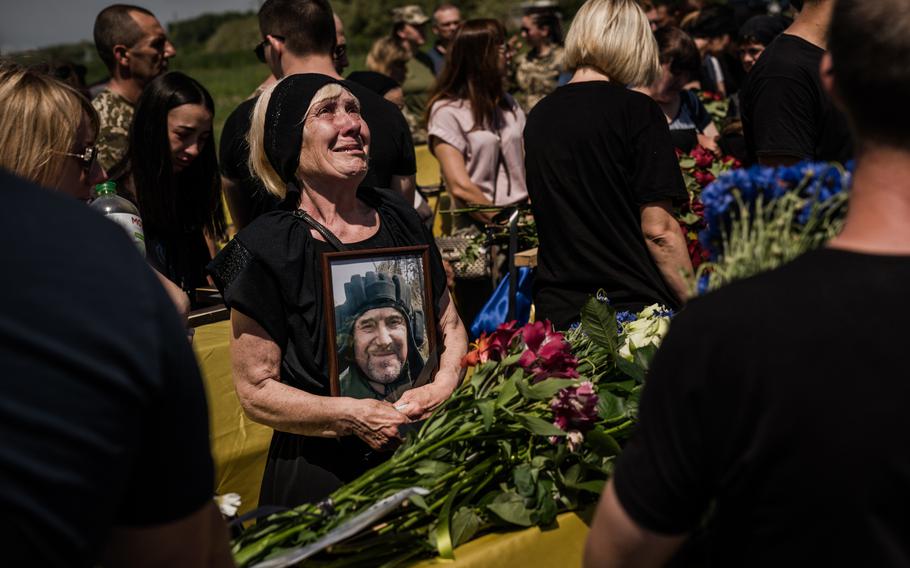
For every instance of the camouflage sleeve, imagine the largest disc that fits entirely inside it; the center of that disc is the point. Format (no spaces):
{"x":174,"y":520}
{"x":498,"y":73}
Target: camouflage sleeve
{"x":114,"y":136}
{"x":112,"y":145}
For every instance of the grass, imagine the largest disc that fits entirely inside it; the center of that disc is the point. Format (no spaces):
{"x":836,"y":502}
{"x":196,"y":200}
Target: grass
{"x":232,"y":77}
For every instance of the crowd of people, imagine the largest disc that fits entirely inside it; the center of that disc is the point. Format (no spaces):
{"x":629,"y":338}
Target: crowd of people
{"x":585,"y":128}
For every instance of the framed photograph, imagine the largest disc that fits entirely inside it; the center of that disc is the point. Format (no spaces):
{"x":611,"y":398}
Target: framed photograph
{"x":381,"y":325}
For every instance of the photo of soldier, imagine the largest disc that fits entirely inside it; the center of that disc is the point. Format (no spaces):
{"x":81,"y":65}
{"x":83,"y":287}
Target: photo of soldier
{"x":380,"y":336}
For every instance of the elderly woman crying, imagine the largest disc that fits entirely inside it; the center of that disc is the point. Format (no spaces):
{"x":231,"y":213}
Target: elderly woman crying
{"x":310,"y":146}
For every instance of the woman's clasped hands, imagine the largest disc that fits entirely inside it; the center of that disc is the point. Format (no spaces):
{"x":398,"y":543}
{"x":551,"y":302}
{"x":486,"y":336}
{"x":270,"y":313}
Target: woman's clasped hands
{"x":376,"y":422}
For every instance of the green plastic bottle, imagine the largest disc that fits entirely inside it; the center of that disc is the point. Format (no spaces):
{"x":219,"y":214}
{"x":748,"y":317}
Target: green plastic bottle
{"x":120,"y":211}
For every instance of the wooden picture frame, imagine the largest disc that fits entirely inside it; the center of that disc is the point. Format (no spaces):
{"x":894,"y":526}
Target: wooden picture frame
{"x":384,"y":301}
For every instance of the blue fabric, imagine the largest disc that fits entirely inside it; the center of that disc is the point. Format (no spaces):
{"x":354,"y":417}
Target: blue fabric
{"x":496,"y":310}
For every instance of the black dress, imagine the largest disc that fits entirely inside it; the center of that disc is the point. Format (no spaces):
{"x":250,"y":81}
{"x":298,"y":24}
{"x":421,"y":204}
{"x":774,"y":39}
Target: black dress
{"x":271,"y":272}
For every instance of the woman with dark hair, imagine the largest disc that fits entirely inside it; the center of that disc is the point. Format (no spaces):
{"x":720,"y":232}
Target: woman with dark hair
{"x":537,"y":72}
{"x":174,"y":175}
{"x":474,"y":126}
{"x":688,"y":120}
{"x":474,"y":130}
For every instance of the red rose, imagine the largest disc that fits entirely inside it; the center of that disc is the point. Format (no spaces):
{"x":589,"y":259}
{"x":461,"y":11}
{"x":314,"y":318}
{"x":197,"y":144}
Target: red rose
{"x":704,"y":178}
{"x":703,"y":158}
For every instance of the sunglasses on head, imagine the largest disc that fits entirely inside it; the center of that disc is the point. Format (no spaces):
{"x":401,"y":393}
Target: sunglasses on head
{"x":86,"y":158}
{"x":259,"y":50}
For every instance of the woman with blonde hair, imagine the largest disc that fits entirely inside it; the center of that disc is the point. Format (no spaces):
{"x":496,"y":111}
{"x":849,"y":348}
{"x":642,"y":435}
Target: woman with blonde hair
{"x":309,"y":146}
{"x":47,"y":136}
{"x":390,"y":58}
{"x":47,"y":132}
{"x":602,"y":174}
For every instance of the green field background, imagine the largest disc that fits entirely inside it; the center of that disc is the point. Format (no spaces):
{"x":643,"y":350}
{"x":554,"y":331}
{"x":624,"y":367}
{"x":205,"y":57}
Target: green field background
{"x":216,"y":49}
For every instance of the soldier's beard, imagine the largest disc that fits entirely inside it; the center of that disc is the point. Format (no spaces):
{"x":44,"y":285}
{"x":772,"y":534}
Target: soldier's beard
{"x":384,"y":370}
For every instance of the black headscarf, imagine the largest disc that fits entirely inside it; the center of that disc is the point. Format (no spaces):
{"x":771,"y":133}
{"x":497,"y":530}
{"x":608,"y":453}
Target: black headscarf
{"x":284,"y":119}
{"x":376,"y":82}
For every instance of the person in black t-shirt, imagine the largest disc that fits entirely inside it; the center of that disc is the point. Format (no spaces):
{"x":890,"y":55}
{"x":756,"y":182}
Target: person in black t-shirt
{"x":105,"y":452}
{"x":774,"y":415}
{"x":299,"y":37}
{"x":602,"y":176}
{"x":787,"y":116}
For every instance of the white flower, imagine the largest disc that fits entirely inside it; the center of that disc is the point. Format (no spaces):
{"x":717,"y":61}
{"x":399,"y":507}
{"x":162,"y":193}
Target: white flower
{"x":649,"y":329}
{"x":228,"y":503}
{"x":575,"y":439}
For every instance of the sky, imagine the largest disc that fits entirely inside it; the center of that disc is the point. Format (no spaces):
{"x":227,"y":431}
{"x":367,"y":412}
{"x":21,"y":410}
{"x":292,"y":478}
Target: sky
{"x":29,"y":24}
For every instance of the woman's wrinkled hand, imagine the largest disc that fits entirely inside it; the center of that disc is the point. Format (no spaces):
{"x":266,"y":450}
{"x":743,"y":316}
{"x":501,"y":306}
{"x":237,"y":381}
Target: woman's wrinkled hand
{"x":376,"y":422}
{"x":420,"y":402}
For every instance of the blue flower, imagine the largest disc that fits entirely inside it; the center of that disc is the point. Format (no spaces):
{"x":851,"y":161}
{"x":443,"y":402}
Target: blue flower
{"x":703,"y":282}
{"x":624,"y":317}
{"x":816,"y":182}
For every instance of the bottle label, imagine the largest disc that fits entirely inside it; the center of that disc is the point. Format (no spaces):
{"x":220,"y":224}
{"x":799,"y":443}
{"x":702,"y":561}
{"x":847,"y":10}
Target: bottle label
{"x":132,"y":224}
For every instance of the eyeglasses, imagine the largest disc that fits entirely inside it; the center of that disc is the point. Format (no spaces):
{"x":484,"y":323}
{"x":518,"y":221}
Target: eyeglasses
{"x":259,"y":50}
{"x":86,"y":158}
{"x":340,"y":50}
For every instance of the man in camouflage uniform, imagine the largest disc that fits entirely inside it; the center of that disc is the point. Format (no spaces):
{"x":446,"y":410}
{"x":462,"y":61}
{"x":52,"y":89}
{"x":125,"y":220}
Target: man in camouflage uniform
{"x":409,"y":30}
{"x":537,"y":72}
{"x":133,"y":45}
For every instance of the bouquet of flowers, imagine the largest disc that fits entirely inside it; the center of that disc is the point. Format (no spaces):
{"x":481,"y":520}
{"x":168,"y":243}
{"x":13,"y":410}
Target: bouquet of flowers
{"x":533,"y":433}
{"x":716,"y":105}
{"x":761,"y":218}
{"x":699,"y":169}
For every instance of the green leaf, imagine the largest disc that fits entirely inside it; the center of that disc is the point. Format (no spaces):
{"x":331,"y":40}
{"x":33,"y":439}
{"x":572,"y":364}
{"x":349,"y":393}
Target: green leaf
{"x":572,"y":476}
{"x":510,"y":507}
{"x":630,"y":369}
{"x":510,"y":360}
{"x":595,"y":486}
{"x":505,"y":447}
{"x":419,"y":502}
{"x":465,"y":524}
{"x":540,"y":462}
{"x":545,"y":390}
{"x":602,"y":443}
{"x":545,"y":512}
{"x":524,"y":479}
{"x":538,"y":426}
{"x":609,"y":406}
{"x":644,"y":355}
{"x":508,"y":390}
{"x":626,"y":386}
{"x":443,"y":535}
{"x":485,"y":406}
{"x":479,"y":375}
{"x":689,"y":218}
{"x":687,"y":163}
{"x":598,"y":320}
{"x":432,"y":468}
